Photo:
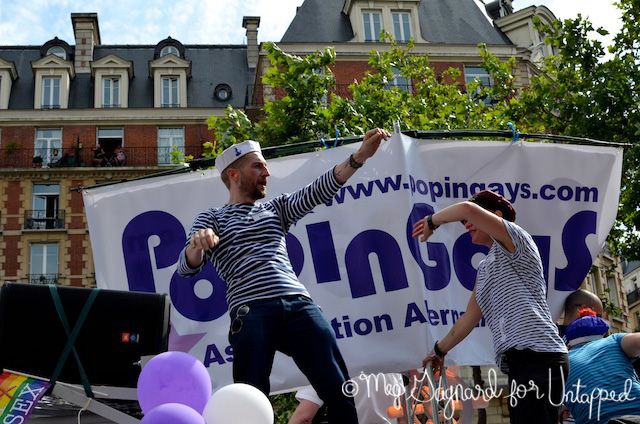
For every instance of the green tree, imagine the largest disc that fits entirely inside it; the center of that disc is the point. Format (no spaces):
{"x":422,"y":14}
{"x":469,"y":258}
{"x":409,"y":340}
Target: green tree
{"x":583,"y":92}
{"x":300,"y":86}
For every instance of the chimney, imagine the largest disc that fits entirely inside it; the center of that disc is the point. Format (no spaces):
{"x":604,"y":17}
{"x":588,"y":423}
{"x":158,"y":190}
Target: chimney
{"x":251,"y":24}
{"x":87,"y":34}
{"x":499,"y":8}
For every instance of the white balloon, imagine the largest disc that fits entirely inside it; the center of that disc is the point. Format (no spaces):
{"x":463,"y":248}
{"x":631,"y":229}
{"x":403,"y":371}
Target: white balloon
{"x":238,"y":404}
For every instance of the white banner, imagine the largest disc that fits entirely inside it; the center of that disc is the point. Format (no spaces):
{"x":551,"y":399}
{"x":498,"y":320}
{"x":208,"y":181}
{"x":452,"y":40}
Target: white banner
{"x":386,"y":296}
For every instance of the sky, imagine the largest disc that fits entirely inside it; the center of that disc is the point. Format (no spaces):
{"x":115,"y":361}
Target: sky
{"x":34,"y":22}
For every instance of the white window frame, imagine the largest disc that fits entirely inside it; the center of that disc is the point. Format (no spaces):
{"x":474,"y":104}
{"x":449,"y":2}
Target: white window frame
{"x":169,"y":50}
{"x":173,"y":92}
{"x":168,"y":138}
{"x":48,"y":147}
{"x":109,"y":150}
{"x":404,"y":23}
{"x":41,"y":214}
{"x":45,"y":266}
{"x":111,"y":94}
{"x":58,"y":51}
{"x":49,"y":100}
{"x":368,"y":15}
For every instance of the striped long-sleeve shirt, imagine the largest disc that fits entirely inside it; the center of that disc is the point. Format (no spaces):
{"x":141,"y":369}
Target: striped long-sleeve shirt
{"x":251,"y":256}
{"x":512,"y":295}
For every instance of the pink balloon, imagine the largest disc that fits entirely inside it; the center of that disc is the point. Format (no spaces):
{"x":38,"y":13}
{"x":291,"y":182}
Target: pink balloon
{"x":174,"y":377}
{"x":172,"y":413}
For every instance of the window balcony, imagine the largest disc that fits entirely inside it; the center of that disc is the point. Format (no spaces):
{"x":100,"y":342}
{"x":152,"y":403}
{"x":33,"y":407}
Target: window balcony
{"x":43,"y":278}
{"x":43,"y":220}
{"x":633,"y":297}
{"x":53,"y":159}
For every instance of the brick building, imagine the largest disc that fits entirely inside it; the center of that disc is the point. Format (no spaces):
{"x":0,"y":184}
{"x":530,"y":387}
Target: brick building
{"x":77,"y":115}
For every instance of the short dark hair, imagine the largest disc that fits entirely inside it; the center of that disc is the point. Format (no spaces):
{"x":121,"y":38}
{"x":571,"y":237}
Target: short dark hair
{"x":492,"y":201}
{"x":235,"y":164}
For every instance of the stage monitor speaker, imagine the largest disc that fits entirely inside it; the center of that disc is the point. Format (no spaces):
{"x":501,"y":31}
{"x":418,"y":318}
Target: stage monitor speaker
{"x":119,"y":329}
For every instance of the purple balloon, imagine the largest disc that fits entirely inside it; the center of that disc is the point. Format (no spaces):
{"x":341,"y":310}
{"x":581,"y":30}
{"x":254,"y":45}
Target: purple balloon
{"x":172,"y":413}
{"x":174,"y":377}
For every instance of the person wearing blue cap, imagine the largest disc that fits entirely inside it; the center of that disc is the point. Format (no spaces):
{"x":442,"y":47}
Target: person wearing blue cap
{"x":270,"y":309}
{"x":511,"y":293}
{"x":602,"y":385}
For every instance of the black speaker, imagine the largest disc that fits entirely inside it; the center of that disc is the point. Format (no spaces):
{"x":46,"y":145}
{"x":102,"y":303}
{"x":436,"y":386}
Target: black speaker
{"x":118,"y":329}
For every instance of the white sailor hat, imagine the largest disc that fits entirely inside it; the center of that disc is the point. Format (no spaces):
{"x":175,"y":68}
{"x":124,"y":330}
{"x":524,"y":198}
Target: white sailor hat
{"x":235,"y":152}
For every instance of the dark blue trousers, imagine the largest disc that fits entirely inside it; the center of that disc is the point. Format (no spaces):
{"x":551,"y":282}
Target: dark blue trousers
{"x":295,"y":326}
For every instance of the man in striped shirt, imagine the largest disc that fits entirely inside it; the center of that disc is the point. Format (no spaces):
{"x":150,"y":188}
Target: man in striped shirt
{"x":270,"y":309}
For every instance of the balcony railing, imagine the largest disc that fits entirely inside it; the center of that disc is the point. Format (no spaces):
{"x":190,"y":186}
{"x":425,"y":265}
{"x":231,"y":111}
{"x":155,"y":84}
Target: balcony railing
{"x":88,"y":157}
{"x":43,"y":278}
{"x":43,"y":220}
{"x":633,"y":297}
{"x":258,"y":94}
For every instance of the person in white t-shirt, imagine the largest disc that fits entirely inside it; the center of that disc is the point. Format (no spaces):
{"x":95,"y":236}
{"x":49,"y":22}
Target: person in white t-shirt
{"x":511,"y":294}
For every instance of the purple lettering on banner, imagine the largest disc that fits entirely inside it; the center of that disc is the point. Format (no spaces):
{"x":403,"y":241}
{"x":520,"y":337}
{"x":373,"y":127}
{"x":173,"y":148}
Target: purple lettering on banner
{"x":135,"y":247}
{"x":185,"y":300}
{"x":435,"y":277}
{"x":323,"y":252}
{"x":544,"y":247}
{"x":579,"y":259}
{"x":389,"y":256}
{"x":295,"y":253}
{"x":463,"y":252}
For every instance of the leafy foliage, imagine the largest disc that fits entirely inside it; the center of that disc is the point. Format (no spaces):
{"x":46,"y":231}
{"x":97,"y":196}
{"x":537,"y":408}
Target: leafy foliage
{"x":580,"y":91}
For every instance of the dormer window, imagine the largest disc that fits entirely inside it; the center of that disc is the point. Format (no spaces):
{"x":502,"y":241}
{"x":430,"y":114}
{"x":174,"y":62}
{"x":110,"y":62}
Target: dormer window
{"x":372,"y":25}
{"x":53,"y":77}
{"x":58,"y":51}
{"x":170,"y":74}
{"x":170,"y":96}
{"x":111,"y":92}
{"x":369,"y":18}
{"x":111,"y":75}
{"x":401,"y":26}
{"x":169,"y":50}
{"x":50,"y":93}
{"x":8,"y":74}
{"x":169,"y":46}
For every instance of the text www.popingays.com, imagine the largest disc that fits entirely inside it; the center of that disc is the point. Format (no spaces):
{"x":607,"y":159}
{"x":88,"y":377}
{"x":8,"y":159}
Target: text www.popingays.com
{"x":448,"y":189}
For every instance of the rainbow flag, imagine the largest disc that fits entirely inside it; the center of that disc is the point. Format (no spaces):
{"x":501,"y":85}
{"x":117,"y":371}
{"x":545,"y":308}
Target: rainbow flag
{"x":18,"y":396}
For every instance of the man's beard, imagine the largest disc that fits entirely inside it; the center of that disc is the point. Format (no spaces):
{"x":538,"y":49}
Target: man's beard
{"x":253,"y":191}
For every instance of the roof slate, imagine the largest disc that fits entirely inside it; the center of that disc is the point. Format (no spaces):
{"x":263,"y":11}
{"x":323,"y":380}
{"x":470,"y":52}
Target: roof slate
{"x":441,"y":21}
{"x":210,"y":65}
